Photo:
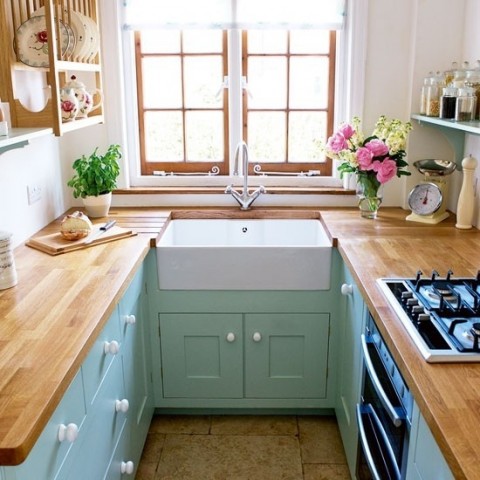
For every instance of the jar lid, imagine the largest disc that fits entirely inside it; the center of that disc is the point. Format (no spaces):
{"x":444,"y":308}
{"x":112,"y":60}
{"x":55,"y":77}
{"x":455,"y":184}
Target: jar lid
{"x":466,"y":92}
{"x":450,"y":91}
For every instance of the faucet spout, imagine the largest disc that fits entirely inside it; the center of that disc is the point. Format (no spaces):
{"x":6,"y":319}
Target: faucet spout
{"x":244,"y":199}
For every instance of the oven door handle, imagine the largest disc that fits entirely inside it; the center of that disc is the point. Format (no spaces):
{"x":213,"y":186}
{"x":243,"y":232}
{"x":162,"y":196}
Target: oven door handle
{"x":392,"y":413}
{"x":365,"y":444}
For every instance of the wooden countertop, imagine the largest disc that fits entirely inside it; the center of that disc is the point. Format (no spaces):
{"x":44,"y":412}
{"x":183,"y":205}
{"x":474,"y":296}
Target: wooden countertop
{"x":448,"y":394}
{"x":48,"y":321}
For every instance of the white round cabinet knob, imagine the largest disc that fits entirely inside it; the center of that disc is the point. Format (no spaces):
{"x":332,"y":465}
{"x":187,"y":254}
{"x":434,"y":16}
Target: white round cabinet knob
{"x":127,"y":467}
{"x":111,"y":348}
{"x":122,"y":405}
{"x":67,"y":432}
{"x":346,"y":289}
{"x":257,"y":336}
{"x":130,"y":319}
{"x":230,"y":337}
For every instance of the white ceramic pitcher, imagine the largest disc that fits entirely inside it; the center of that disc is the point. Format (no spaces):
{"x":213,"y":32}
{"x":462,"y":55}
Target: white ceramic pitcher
{"x":84,"y":97}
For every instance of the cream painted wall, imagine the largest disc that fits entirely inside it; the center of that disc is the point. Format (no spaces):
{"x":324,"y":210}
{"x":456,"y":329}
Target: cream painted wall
{"x":38,"y":163}
{"x":405,"y":40}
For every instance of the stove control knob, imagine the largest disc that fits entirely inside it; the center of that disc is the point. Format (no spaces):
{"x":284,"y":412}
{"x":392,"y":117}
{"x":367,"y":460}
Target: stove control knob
{"x":406,"y":295}
{"x":424,"y":317}
{"x":411,"y":302}
{"x":417,"y":309}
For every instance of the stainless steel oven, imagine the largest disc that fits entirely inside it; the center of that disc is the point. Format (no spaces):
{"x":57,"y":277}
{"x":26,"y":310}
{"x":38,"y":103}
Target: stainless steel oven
{"x":384,"y":414}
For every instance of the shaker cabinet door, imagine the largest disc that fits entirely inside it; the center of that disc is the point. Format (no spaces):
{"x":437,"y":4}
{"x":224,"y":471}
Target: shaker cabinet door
{"x":286,"y":355}
{"x":202,"y":355}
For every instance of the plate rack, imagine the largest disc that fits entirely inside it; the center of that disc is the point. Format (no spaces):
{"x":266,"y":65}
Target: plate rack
{"x":64,"y":51}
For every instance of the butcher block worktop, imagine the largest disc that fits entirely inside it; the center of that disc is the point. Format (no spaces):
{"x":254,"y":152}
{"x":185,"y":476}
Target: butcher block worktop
{"x":51,"y":318}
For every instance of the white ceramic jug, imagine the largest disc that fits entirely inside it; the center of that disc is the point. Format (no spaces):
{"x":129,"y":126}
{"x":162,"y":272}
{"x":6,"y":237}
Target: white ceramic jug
{"x":84,"y":97}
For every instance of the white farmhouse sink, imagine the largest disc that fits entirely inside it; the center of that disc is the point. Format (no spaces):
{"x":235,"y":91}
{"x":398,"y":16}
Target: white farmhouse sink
{"x":253,"y":254}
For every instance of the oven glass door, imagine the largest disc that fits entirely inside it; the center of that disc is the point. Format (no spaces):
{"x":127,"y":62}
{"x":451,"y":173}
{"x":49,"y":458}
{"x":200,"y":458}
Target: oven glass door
{"x":382,"y":437}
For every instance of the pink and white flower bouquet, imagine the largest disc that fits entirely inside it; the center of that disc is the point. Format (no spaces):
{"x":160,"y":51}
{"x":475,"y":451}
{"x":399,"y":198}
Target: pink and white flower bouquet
{"x":375,"y":159}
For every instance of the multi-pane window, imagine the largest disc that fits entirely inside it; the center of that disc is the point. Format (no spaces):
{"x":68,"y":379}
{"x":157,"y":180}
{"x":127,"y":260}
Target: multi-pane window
{"x":182,"y":108}
{"x":289,"y":106}
{"x":288,"y":99}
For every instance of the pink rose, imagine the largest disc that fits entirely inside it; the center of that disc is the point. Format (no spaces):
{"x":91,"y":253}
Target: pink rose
{"x":377,"y":147}
{"x":386,"y":170}
{"x":346,"y":130}
{"x":337,"y":143}
{"x":42,"y":36}
{"x":68,"y":106}
{"x":364,"y":158}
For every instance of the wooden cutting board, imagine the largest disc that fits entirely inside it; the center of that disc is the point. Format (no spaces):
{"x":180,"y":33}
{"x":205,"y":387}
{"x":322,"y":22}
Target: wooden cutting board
{"x":55,"y":244}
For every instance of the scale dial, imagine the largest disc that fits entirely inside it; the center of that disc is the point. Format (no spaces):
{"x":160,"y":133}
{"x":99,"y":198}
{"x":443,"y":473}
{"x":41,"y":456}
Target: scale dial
{"x":425,"y":199}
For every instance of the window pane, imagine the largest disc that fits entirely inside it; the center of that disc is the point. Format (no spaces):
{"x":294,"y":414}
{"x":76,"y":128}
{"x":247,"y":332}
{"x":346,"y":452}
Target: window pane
{"x":267,"y":41}
{"x":203,"y":81}
{"x":267,"y":82}
{"x":160,"y":41}
{"x":306,"y":132}
{"x":163,"y":136}
{"x":202,"y":41}
{"x":308,"y":82}
{"x":310,"y":41}
{"x":204,"y":136}
{"x":162,"y":82}
{"x":266,"y":136}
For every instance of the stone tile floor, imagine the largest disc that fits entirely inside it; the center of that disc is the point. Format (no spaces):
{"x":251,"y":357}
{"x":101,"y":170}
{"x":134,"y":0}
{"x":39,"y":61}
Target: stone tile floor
{"x":243,"y":448}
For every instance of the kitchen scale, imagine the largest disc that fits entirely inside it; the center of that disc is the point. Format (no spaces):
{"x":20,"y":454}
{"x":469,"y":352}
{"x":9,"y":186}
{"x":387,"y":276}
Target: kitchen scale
{"x":428,"y":199}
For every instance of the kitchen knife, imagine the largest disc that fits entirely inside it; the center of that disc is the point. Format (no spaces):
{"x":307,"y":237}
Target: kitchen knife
{"x":100,"y":231}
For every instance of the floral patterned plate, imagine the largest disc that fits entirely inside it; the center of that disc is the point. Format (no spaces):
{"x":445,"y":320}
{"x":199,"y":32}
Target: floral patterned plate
{"x":31,"y":42}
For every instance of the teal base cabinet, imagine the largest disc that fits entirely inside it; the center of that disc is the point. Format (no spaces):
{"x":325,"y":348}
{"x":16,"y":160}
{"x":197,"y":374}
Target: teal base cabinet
{"x":236,"y":350}
{"x":425,"y":460}
{"x":352,"y":315}
{"x":279,"y":356}
{"x":99,"y":427}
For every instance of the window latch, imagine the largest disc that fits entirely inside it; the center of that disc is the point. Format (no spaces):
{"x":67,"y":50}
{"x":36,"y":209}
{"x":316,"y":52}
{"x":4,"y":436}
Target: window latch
{"x":257,"y":169}
{"x":245,"y":87}
{"x":223,"y":86}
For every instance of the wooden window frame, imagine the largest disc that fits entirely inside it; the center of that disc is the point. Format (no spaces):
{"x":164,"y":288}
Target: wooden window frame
{"x":325,"y":167}
{"x":185,"y":166}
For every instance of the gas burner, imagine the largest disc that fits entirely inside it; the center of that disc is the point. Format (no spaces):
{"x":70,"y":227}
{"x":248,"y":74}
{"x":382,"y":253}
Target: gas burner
{"x":476,"y":328}
{"x":438,"y":293}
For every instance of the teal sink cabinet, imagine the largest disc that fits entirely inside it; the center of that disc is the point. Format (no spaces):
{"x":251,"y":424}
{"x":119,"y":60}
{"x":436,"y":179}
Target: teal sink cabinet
{"x":99,"y":427}
{"x":352,"y":316}
{"x":242,"y":349}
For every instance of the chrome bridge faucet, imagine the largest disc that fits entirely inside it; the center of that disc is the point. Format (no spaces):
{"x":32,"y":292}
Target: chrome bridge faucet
{"x":244,"y":199}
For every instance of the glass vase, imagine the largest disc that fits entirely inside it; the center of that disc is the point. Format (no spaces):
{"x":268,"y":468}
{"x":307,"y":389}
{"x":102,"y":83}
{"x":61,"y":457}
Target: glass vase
{"x":369,"y":194}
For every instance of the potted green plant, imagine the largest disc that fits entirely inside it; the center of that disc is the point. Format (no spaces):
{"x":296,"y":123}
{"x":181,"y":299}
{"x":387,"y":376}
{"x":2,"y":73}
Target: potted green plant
{"x":95,"y":178}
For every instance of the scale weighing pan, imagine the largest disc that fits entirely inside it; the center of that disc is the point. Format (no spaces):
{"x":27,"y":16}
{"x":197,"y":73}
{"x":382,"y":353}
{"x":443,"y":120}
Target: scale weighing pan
{"x":438,"y":168}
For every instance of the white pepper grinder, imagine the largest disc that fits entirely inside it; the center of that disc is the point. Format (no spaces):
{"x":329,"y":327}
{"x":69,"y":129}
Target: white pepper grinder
{"x":466,"y":198}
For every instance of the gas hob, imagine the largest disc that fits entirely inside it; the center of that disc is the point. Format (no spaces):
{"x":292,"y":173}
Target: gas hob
{"x":441,"y":314}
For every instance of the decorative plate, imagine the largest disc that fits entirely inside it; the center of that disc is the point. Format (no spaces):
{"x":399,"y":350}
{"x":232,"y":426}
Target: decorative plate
{"x":71,"y":43}
{"x":92,"y":37}
{"x":31,"y":44}
{"x":76,"y":25}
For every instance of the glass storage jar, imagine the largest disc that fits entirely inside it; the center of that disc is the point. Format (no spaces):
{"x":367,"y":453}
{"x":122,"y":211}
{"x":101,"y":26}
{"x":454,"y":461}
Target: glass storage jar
{"x":448,"y":102}
{"x":466,"y":105}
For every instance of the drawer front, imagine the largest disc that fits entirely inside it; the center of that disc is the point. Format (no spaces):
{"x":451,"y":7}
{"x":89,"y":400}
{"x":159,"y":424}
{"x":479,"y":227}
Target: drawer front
{"x":119,"y":459}
{"x":98,"y":362}
{"x":49,"y":454}
{"x":103,"y":431}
